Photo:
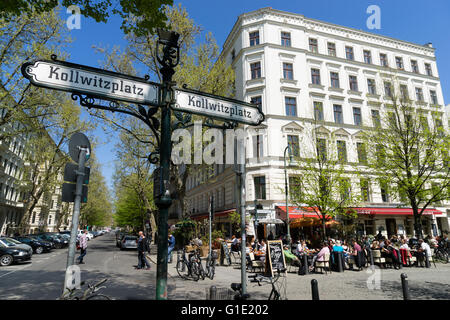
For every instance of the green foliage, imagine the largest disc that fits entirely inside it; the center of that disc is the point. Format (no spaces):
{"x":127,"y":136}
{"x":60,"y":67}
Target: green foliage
{"x":129,"y":210}
{"x":138,"y":17}
{"x":185,"y":231}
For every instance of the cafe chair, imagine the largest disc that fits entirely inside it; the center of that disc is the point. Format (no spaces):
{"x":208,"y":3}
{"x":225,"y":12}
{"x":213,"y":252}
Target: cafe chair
{"x":377,"y":259}
{"x":256,"y":264}
{"x":412,"y":260}
{"x":431,"y":258}
{"x":323,"y":264}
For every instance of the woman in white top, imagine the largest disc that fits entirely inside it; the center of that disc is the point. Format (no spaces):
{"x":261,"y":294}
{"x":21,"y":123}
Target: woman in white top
{"x":404,"y":245}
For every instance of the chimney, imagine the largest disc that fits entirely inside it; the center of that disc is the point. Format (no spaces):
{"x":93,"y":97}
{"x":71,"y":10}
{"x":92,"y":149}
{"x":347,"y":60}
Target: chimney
{"x":429,"y":45}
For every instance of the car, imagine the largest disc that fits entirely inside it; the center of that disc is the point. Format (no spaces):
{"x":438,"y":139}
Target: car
{"x":128,"y":242}
{"x":95,"y":234}
{"x":90,"y":236}
{"x":57,"y":241}
{"x":13,"y":251}
{"x":38,"y":246}
{"x":119,"y":236}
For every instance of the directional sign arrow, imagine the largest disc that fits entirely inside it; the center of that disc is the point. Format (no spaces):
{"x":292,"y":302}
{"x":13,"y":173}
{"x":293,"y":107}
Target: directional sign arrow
{"x":222,"y":108}
{"x":75,"y":78}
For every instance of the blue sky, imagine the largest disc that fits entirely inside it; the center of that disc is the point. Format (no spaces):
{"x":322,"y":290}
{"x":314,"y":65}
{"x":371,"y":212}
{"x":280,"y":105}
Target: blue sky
{"x":416,"y":21}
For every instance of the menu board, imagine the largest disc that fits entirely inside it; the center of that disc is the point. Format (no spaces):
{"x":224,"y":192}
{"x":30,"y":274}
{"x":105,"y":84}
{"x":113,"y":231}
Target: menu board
{"x":275,"y":256}
{"x":226,"y":252}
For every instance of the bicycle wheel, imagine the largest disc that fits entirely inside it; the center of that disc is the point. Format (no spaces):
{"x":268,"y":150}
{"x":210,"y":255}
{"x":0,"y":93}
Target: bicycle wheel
{"x":211,"y":269}
{"x":182,"y":269}
{"x":195,"y":272}
{"x":98,"y":297}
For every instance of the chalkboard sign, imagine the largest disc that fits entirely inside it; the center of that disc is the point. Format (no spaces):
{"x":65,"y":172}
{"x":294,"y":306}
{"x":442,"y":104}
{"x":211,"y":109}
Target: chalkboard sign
{"x":275,"y":256}
{"x":226,"y":252}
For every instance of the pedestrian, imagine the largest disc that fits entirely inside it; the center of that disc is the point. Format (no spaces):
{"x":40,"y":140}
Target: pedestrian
{"x":171,"y":241}
{"x":142,"y":248}
{"x":83,"y":247}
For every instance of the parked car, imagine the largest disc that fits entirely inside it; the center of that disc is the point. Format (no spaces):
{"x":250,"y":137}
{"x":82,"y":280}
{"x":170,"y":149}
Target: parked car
{"x":95,"y":234}
{"x":38,"y":246}
{"x":58,"y":242}
{"x":13,"y":251}
{"x":128,"y":242}
{"x":90,"y":236}
{"x":119,"y":236}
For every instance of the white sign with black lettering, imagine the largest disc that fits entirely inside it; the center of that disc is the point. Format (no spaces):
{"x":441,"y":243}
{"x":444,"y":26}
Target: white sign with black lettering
{"x":217,"y":107}
{"x":91,"y":81}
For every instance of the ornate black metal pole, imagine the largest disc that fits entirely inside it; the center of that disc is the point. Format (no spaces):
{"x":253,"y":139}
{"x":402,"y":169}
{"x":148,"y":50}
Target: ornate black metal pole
{"x":169,"y":41}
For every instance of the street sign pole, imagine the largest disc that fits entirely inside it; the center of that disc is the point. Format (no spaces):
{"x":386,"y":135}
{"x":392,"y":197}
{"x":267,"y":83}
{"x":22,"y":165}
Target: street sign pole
{"x":211,"y":214}
{"x":76,"y":214}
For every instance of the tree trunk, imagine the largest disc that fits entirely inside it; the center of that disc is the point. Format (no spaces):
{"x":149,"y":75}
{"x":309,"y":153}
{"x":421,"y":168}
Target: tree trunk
{"x":418,"y":226}
{"x":153,"y":217}
{"x":324,"y":230}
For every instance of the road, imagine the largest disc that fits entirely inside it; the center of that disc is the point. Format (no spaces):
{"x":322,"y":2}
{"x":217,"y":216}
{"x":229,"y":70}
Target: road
{"x":43,"y":277}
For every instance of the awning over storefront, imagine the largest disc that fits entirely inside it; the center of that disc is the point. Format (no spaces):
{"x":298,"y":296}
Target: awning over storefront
{"x":295,"y":212}
{"x":216,"y":214}
{"x":392,"y":211}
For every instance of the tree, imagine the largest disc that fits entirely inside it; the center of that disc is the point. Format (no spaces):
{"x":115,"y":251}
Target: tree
{"x":321,"y":181}
{"x":138,"y":17}
{"x":200,"y":68}
{"x":98,"y":209}
{"x":410,"y":156}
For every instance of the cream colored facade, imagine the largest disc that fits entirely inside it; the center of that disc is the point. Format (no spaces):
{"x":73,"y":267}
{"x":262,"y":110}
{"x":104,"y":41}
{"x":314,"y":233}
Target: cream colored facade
{"x":286,"y":76}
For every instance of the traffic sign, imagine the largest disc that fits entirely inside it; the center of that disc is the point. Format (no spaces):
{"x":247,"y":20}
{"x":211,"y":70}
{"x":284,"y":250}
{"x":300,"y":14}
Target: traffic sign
{"x":75,"y":78}
{"x":78,"y":140}
{"x":227,"y":109}
{"x":68,"y":193}
{"x":71,"y":176}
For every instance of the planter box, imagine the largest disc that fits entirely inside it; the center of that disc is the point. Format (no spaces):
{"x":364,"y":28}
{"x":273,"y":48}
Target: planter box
{"x":204,"y":250}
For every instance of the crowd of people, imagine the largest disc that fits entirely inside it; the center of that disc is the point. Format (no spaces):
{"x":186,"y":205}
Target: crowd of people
{"x":354,"y":252}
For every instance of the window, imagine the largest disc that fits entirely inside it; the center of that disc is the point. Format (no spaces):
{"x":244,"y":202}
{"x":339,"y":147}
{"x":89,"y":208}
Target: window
{"x":260,"y":187}
{"x":371,"y":86}
{"x":334,"y":79}
{"x":295,"y":184}
{"x":383,"y":60}
{"x":233,"y":54}
{"x":332,"y":49}
{"x":33,"y":219}
{"x":384,"y":192}
{"x":315,"y":76}
{"x":367,"y":57}
{"x":258,"y":150}
{"x":380,"y":154}
{"x":349,"y":53}
{"x":257,"y":100}
{"x":286,"y":39}
{"x":357,"y":116}
{"x":399,"y":62}
{"x":342,"y":151}
{"x":428,"y":69}
{"x":288,"y":72}
{"x":313,"y":45}
{"x":419,"y":94}
{"x":50,"y":220}
{"x":424,"y":123}
{"x":404,"y":91}
{"x":254,"y":38}
{"x":321,"y":149}
{"x":353,"y":83}
{"x":318,"y":111}
{"x":291,"y":106}
{"x":361,"y":150}
{"x":294,"y":144}
{"x":392,"y":120}
{"x":414,"y":66}
{"x":433,"y":97}
{"x":338,"y":113}
{"x":388,"y":89}
{"x":376,"y":118}
{"x":365,"y":190}
{"x":255,"y":70}
{"x":345,"y":188}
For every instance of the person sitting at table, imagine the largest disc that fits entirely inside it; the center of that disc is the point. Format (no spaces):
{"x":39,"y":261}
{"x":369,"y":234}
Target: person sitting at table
{"x":291,"y":258}
{"x":235,"y":244}
{"x":388,"y":251}
{"x":262,"y":246}
{"x":424,"y":249}
{"x":321,"y":255}
{"x":404,"y":245}
{"x":302,"y":248}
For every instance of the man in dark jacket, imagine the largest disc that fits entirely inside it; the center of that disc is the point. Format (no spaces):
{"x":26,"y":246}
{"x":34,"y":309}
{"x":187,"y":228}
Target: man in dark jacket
{"x":142,"y":248}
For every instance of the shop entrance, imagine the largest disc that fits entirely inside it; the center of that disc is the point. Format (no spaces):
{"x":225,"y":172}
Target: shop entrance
{"x":391,"y":227}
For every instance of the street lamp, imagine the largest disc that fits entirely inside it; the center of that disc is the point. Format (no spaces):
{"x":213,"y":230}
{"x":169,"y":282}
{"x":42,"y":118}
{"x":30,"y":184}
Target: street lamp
{"x":286,"y":190}
{"x":168,"y":61}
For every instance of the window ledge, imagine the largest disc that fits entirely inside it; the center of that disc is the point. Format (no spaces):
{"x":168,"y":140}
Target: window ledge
{"x":316,"y":86}
{"x":291,"y":81}
{"x":358,"y":93}
{"x":340,"y":90}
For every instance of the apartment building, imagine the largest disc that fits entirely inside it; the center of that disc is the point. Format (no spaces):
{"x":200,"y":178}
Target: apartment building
{"x":13,"y":197}
{"x":301,"y":70}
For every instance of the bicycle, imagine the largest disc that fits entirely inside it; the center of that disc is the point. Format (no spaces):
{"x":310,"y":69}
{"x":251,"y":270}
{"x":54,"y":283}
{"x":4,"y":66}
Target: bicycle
{"x":274,"y":293}
{"x":441,"y":255}
{"x":88,"y":294}
{"x":211,"y":265}
{"x":186,"y":268}
{"x":237,"y":287}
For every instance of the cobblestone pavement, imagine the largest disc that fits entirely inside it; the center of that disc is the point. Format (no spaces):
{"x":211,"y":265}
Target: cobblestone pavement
{"x":380,"y":284}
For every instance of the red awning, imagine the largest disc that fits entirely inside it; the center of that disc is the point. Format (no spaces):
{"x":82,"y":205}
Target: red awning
{"x":296,"y":212}
{"x":393,"y":211}
{"x":216,"y":214}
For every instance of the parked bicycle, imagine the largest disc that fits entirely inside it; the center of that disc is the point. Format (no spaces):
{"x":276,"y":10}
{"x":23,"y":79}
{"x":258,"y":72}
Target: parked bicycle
{"x":274,"y":293}
{"x":188,"y":267}
{"x":89,"y":294}
{"x":211,"y":265}
{"x":440,"y":255}
{"x":237,"y":287}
